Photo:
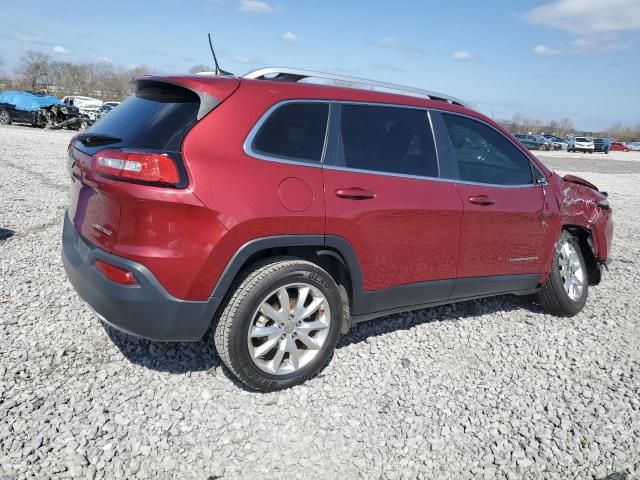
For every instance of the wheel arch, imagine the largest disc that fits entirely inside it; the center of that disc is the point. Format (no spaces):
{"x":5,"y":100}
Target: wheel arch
{"x":585,"y":242}
{"x":333,"y":254}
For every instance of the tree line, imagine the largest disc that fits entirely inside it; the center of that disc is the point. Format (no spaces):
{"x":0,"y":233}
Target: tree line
{"x":38,"y":72}
{"x":564,"y":127}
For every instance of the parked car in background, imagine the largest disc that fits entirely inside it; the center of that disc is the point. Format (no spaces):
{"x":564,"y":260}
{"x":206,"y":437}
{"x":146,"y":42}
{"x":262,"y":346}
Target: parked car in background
{"x":104,"y":109}
{"x":601,"y":145}
{"x":532,"y":142}
{"x":557,"y":142}
{"x":580,"y":144}
{"x":89,"y":108}
{"x":346,"y":214}
{"x":633,"y":146}
{"x":619,"y":147}
{"x":37,"y":109}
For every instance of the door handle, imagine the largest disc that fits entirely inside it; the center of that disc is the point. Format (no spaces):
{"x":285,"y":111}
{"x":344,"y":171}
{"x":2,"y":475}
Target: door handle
{"x":481,"y":200}
{"x":354,"y":194}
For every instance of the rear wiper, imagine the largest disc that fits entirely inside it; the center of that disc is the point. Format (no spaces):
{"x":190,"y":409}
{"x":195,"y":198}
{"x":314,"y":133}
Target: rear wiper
{"x":96,"y":138}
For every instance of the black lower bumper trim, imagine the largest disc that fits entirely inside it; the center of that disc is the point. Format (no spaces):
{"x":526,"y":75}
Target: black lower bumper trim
{"x":146,"y":309}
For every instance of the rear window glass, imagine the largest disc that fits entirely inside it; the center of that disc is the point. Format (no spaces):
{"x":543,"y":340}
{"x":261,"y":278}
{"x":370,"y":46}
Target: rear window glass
{"x":156,"y":117}
{"x":295,"y":131}
{"x":387,"y":139}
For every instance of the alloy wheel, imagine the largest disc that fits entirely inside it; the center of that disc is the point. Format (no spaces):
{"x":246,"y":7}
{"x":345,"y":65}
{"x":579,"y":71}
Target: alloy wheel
{"x":571,"y":271}
{"x":289,"y":328}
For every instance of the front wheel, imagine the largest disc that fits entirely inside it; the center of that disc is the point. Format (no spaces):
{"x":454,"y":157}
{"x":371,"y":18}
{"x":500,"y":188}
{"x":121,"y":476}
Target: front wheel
{"x":564,"y":294}
{"x":5,"y":118}
{"x":280,"y":326}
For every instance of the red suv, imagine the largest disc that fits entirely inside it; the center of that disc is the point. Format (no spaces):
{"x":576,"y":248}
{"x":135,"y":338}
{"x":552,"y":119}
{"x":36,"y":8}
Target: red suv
{"x":284,"y":212}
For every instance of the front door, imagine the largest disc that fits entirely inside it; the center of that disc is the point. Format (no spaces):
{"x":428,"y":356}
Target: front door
{"x":502,"y":225}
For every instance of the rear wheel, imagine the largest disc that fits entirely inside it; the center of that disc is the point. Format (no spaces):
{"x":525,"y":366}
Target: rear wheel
{"x":564,"y":294}
{"x":281,"y":324}
{"x":5,"y":118}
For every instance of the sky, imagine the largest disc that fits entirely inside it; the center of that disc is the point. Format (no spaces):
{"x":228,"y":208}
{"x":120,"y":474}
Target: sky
{"x":545,"y":59}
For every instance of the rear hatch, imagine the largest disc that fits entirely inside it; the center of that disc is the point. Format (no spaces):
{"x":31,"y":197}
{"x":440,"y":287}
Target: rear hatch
{"x":136,"y":150}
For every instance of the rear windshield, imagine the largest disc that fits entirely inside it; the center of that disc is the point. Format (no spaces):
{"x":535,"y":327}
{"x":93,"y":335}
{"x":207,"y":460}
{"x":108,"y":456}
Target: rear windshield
{"x":156,"y":117}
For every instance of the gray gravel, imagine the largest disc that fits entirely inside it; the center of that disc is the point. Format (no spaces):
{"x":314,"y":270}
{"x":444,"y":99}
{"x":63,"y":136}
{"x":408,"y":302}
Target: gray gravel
{"x":485,"y":389}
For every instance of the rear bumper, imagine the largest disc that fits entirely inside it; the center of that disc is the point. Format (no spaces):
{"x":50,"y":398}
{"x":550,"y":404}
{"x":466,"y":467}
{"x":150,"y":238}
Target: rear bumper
{"x":144,"y":310}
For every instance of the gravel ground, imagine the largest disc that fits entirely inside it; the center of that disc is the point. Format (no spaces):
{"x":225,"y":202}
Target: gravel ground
{"x":484,"y":389}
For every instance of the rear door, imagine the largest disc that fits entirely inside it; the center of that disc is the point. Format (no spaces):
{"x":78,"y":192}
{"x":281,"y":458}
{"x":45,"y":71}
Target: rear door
{"x":502,"y":226}
{"x":383,"y":195}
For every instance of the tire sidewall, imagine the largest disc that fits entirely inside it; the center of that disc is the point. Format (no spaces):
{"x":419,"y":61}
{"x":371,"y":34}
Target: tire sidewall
{"x":239,"y":354}
{"x":570,"y":306}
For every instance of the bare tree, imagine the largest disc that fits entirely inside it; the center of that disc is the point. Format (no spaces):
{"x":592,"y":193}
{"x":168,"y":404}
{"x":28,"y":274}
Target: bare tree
{"x":199,"y":68}
{"x":34,"y":69}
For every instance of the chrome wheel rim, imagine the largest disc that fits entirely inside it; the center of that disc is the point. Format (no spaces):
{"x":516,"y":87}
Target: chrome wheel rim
{"x":4,"y":117}
{"x":289,"y":328}
{"x":571,"y":271}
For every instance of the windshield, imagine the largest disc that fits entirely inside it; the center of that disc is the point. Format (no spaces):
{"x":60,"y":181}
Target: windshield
{"x":582,"y":139}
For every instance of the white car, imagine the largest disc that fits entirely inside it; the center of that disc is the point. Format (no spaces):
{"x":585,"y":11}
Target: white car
{"x":581,"y":144}
{"x":89,"y":107}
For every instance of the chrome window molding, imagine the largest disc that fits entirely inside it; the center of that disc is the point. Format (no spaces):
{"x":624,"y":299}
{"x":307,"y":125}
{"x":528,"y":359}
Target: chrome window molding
{"x":248,"y":143}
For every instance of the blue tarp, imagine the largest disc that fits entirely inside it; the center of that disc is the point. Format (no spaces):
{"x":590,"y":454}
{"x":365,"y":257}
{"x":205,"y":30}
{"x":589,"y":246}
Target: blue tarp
{"x":28,"y":101}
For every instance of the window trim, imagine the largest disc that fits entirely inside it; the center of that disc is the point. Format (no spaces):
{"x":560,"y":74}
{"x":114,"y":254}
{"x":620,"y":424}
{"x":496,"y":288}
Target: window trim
{"x":329,"y":149}
{"x":250,"y":140}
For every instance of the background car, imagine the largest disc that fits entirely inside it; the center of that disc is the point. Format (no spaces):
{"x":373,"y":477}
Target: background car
{"x":633,"y":146}
{"x":601,"y":145}
{"x":580,"y":144}
{"x":557,"y":143}
{"x":37,"y":109}
{"x":532,"y":142}
{"x":619,"y":147}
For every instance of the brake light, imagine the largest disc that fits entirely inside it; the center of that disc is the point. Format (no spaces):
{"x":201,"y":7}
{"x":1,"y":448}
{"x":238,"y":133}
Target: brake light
{"x":144,"y":167}
{"x":115,"y":274}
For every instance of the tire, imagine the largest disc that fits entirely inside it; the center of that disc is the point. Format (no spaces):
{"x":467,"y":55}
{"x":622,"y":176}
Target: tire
{"x":5,"y":117}
{"x":554,"y":296}
{"x":259,"y":290}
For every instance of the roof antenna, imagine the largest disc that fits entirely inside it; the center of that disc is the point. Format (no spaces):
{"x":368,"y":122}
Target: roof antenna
{"x":218,"y":70}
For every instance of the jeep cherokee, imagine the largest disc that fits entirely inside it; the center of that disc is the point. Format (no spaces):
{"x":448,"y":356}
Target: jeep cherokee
{"x":283,"y":212}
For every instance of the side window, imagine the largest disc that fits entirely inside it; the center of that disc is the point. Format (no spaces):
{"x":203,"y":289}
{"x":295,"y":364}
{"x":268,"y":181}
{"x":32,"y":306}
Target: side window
{"x":387,"y":139}
{"x":484,"y":155}
{"x":294,"y":131}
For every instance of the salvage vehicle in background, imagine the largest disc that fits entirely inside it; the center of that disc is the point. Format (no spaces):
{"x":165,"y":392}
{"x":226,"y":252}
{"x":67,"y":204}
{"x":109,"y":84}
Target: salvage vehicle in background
{"x":38,"y":110}
{"x":354,"y":204}
{"x":89,"y":108}
{"x":601,"y":145}
{"x":619,"y":147}
{"x":557,"y":142}
{"x":532,"y":142}
{"x":580,"y":144}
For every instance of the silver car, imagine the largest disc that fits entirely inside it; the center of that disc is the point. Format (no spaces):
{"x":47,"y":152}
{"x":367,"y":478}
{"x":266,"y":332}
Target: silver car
{"x":580,"y":144}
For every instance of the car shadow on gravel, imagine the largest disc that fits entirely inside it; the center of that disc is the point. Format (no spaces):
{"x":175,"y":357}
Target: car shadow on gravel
{"x":171,"y":357}
{"x":183,"y":357}
{"x":456,"y":311}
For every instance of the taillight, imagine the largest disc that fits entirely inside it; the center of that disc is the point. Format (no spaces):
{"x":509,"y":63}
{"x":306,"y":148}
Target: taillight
{"x":144,"y":167}
{"x":115,"y":274}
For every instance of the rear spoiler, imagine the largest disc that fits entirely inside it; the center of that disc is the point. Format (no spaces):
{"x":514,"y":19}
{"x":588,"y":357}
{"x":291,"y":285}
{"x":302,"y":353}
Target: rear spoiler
{"x":211,"y":93}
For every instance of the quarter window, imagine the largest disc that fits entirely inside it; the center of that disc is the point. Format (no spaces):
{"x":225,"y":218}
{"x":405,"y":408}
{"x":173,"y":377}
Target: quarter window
{"x":294,"y":131}
{"x":387,"y":139}
{"x":481,"y":154}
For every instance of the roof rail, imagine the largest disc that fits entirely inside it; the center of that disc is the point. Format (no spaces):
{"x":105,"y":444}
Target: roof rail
{"x":295,"y":75}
